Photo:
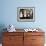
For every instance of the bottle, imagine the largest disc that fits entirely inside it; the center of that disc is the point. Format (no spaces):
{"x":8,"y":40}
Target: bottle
{"x":25,"y":15}
{"x":21,"y":15}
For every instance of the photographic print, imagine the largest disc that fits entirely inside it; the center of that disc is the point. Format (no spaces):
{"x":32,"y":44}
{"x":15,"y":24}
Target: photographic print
{"x":26,"y":14}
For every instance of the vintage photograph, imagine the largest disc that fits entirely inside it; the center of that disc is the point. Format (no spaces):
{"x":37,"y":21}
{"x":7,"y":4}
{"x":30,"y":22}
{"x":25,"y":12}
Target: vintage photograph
{"x":25,"y":14}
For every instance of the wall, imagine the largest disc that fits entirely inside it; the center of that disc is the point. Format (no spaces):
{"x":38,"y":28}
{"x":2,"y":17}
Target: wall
{"x":9,"y":13}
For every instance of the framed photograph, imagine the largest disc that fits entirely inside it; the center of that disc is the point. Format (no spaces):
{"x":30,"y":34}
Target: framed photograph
{"x":26,"y":14}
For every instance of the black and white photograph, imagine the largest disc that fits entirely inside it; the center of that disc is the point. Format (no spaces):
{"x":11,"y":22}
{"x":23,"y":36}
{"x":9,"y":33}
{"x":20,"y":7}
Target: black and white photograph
{"x":25,"y":14}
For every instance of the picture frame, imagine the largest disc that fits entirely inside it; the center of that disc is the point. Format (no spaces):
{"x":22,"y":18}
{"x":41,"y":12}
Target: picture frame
{"x":26,"y":14}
